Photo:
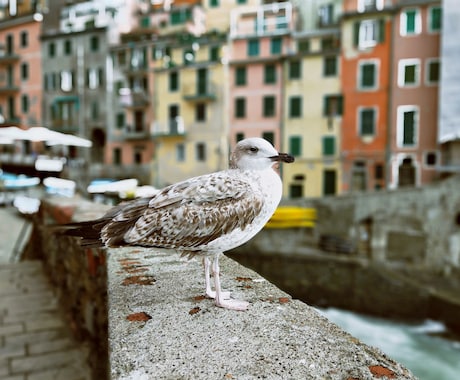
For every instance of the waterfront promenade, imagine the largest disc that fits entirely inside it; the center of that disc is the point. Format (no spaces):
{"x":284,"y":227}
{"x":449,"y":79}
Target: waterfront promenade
{"x":35,"y":338}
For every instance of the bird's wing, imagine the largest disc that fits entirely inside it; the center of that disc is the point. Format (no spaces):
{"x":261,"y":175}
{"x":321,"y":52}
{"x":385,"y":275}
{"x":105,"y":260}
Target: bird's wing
{"x":192,"y":213}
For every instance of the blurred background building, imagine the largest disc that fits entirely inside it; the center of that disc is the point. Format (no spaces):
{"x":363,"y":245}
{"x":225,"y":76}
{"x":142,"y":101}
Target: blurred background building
{"x":362,"y":92}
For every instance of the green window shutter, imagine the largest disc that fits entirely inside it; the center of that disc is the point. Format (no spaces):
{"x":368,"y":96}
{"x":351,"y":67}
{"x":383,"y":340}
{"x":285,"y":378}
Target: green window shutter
{"x":381,"y":30}
{"x":268,"y":106}
{"x":436,"y":19}
{"x":270,"y":74}
{"x":328,"y":145}
{"x":367,"y":122}
{"x":240,"y":107}
{"x":240,"y":76}
{"x":269,"y":136}
{"x":356,"y":25}
{"x":295,"y":145}
{"x":275,"y":45}
{"x":368,"y":75}
{"x":409,"y":74}
{"x":295,"y":106}
{"x":294,"y":70}
{"x":410,"y":21}
{"x":253,"y":48}
{"x":409,"y":128}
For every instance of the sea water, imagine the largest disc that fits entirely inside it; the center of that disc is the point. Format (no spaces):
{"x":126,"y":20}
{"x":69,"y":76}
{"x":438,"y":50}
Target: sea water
{"x":416,"y":346}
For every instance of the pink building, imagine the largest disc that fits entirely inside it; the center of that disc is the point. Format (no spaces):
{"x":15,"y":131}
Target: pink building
{"x":259,"y":38}
{"x":414,"y":94}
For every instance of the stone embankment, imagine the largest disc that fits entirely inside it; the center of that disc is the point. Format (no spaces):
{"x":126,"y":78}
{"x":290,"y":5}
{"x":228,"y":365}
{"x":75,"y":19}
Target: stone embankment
{"x":160,"y":325}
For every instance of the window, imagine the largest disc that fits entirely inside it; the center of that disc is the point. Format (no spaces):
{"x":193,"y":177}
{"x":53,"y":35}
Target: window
{"x":240,"y":108}
{"x":295,"y":145}
{"x":295,"y":106}
{"x":407,"y":126}
{"x":333,"y":105}
{"x":241,"y":1}
{"x":180,"y":152}
{"x":329,"y":181}
{"x":66,"y":80}
{"x":51,"y":49}
{"x":200,"y":151}
{"x":430,"y":158}
{"x":239,"y":137}
{"x":24,"y":71}
{"x":408,"y":72}
{"x":367,"y":76}
{"x":367,"y":121}
{"x":173,"y":81}
{"x":180,"y":16}
{"x":92,"y":78}
{"x":253,"y":48}
{"x":269,"y":74}
{"x":200,"y":112}
{"x":213,"y":3}
{"x":434,"y":19}
{"x":94,"y":43}
{"x":410,"y":22}
{"x":120,"y":121}
{"x":95,"y":110}
{"x":328,"y":145}
{"x":67,"y":47}
{"x":117,"y":156}
{"x":368,"y":33}
{"x":275,"y":45}
{"x":432,"y":71}
{"x":188,"y":56}
{"x":303,"y":46}
{"x":240,"y":76}
{"x":295,"y":70}
{"x":379,"y":171}
{"x":25,"y":103}
{"x":330,"y":66}
{"x":24,"y":39}
{"x":214,"y":53}
{"x":326,"y":14}
{"x":269,"y":106}
{"x":369,"y":5}
{"x":269,"y":136}
{"x":295,"y":190}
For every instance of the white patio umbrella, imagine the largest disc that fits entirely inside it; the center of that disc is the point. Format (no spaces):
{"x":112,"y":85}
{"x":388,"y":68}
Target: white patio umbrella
{"x":43,"y":134}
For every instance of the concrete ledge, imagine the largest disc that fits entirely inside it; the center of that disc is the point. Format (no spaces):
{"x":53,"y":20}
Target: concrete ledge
{"x":161,"y":326}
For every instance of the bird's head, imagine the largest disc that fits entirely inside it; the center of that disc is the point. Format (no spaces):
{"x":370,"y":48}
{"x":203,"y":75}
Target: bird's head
{"x":256,"y":154}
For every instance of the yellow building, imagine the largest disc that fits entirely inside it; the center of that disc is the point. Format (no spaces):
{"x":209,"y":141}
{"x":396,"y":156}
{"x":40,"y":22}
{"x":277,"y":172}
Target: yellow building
{"x":190,"y":128}
{"x":312,"y":116}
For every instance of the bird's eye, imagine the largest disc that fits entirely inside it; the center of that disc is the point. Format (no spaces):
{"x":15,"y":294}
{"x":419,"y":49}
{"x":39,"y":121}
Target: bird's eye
{"x":253,"y":149}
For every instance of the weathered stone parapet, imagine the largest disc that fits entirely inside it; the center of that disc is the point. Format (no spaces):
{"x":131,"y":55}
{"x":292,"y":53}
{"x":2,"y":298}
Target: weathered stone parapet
{"x":160,"y":326}
{"x":78,"y":276}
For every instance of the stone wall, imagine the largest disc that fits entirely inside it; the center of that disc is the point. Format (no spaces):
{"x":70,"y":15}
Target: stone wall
{"x":161,"y":326}
{"x":79,"y":276}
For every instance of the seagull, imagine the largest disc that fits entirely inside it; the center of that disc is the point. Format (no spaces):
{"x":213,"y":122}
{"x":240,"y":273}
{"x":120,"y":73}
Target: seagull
{"x":202,"y":216}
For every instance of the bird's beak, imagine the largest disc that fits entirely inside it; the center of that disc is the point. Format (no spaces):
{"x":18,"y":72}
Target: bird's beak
{"x":283,"y":157}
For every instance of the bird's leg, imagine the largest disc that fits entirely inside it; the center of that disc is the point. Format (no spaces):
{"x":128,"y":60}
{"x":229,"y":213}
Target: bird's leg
{"x":207,"y":278}
{"x":220,"y":299}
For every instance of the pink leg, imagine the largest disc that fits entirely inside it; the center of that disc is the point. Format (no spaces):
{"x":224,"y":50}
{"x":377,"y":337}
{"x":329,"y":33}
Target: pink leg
{"x":207,"y":278}
{"x":220,"y":299}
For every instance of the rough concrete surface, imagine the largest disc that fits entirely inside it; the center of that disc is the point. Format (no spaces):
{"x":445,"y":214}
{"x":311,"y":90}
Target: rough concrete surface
{"x":161,"y":327}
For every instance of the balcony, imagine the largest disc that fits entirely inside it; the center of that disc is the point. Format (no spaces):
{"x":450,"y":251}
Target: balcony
{"x":7,"y":89}
{"x":137,"y":132}
{"x":7,"y":57}
{"x":266,"y":20}
{"x":173,"y":128}
{"x":200,"y":92}
{"x":136,"y":98}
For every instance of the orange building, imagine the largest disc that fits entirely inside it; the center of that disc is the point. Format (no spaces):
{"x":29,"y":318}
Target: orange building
{"x":365,"y":83}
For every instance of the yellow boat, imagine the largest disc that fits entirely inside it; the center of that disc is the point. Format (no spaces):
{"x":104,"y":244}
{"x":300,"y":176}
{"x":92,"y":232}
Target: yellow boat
{"x":292,"y":217}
